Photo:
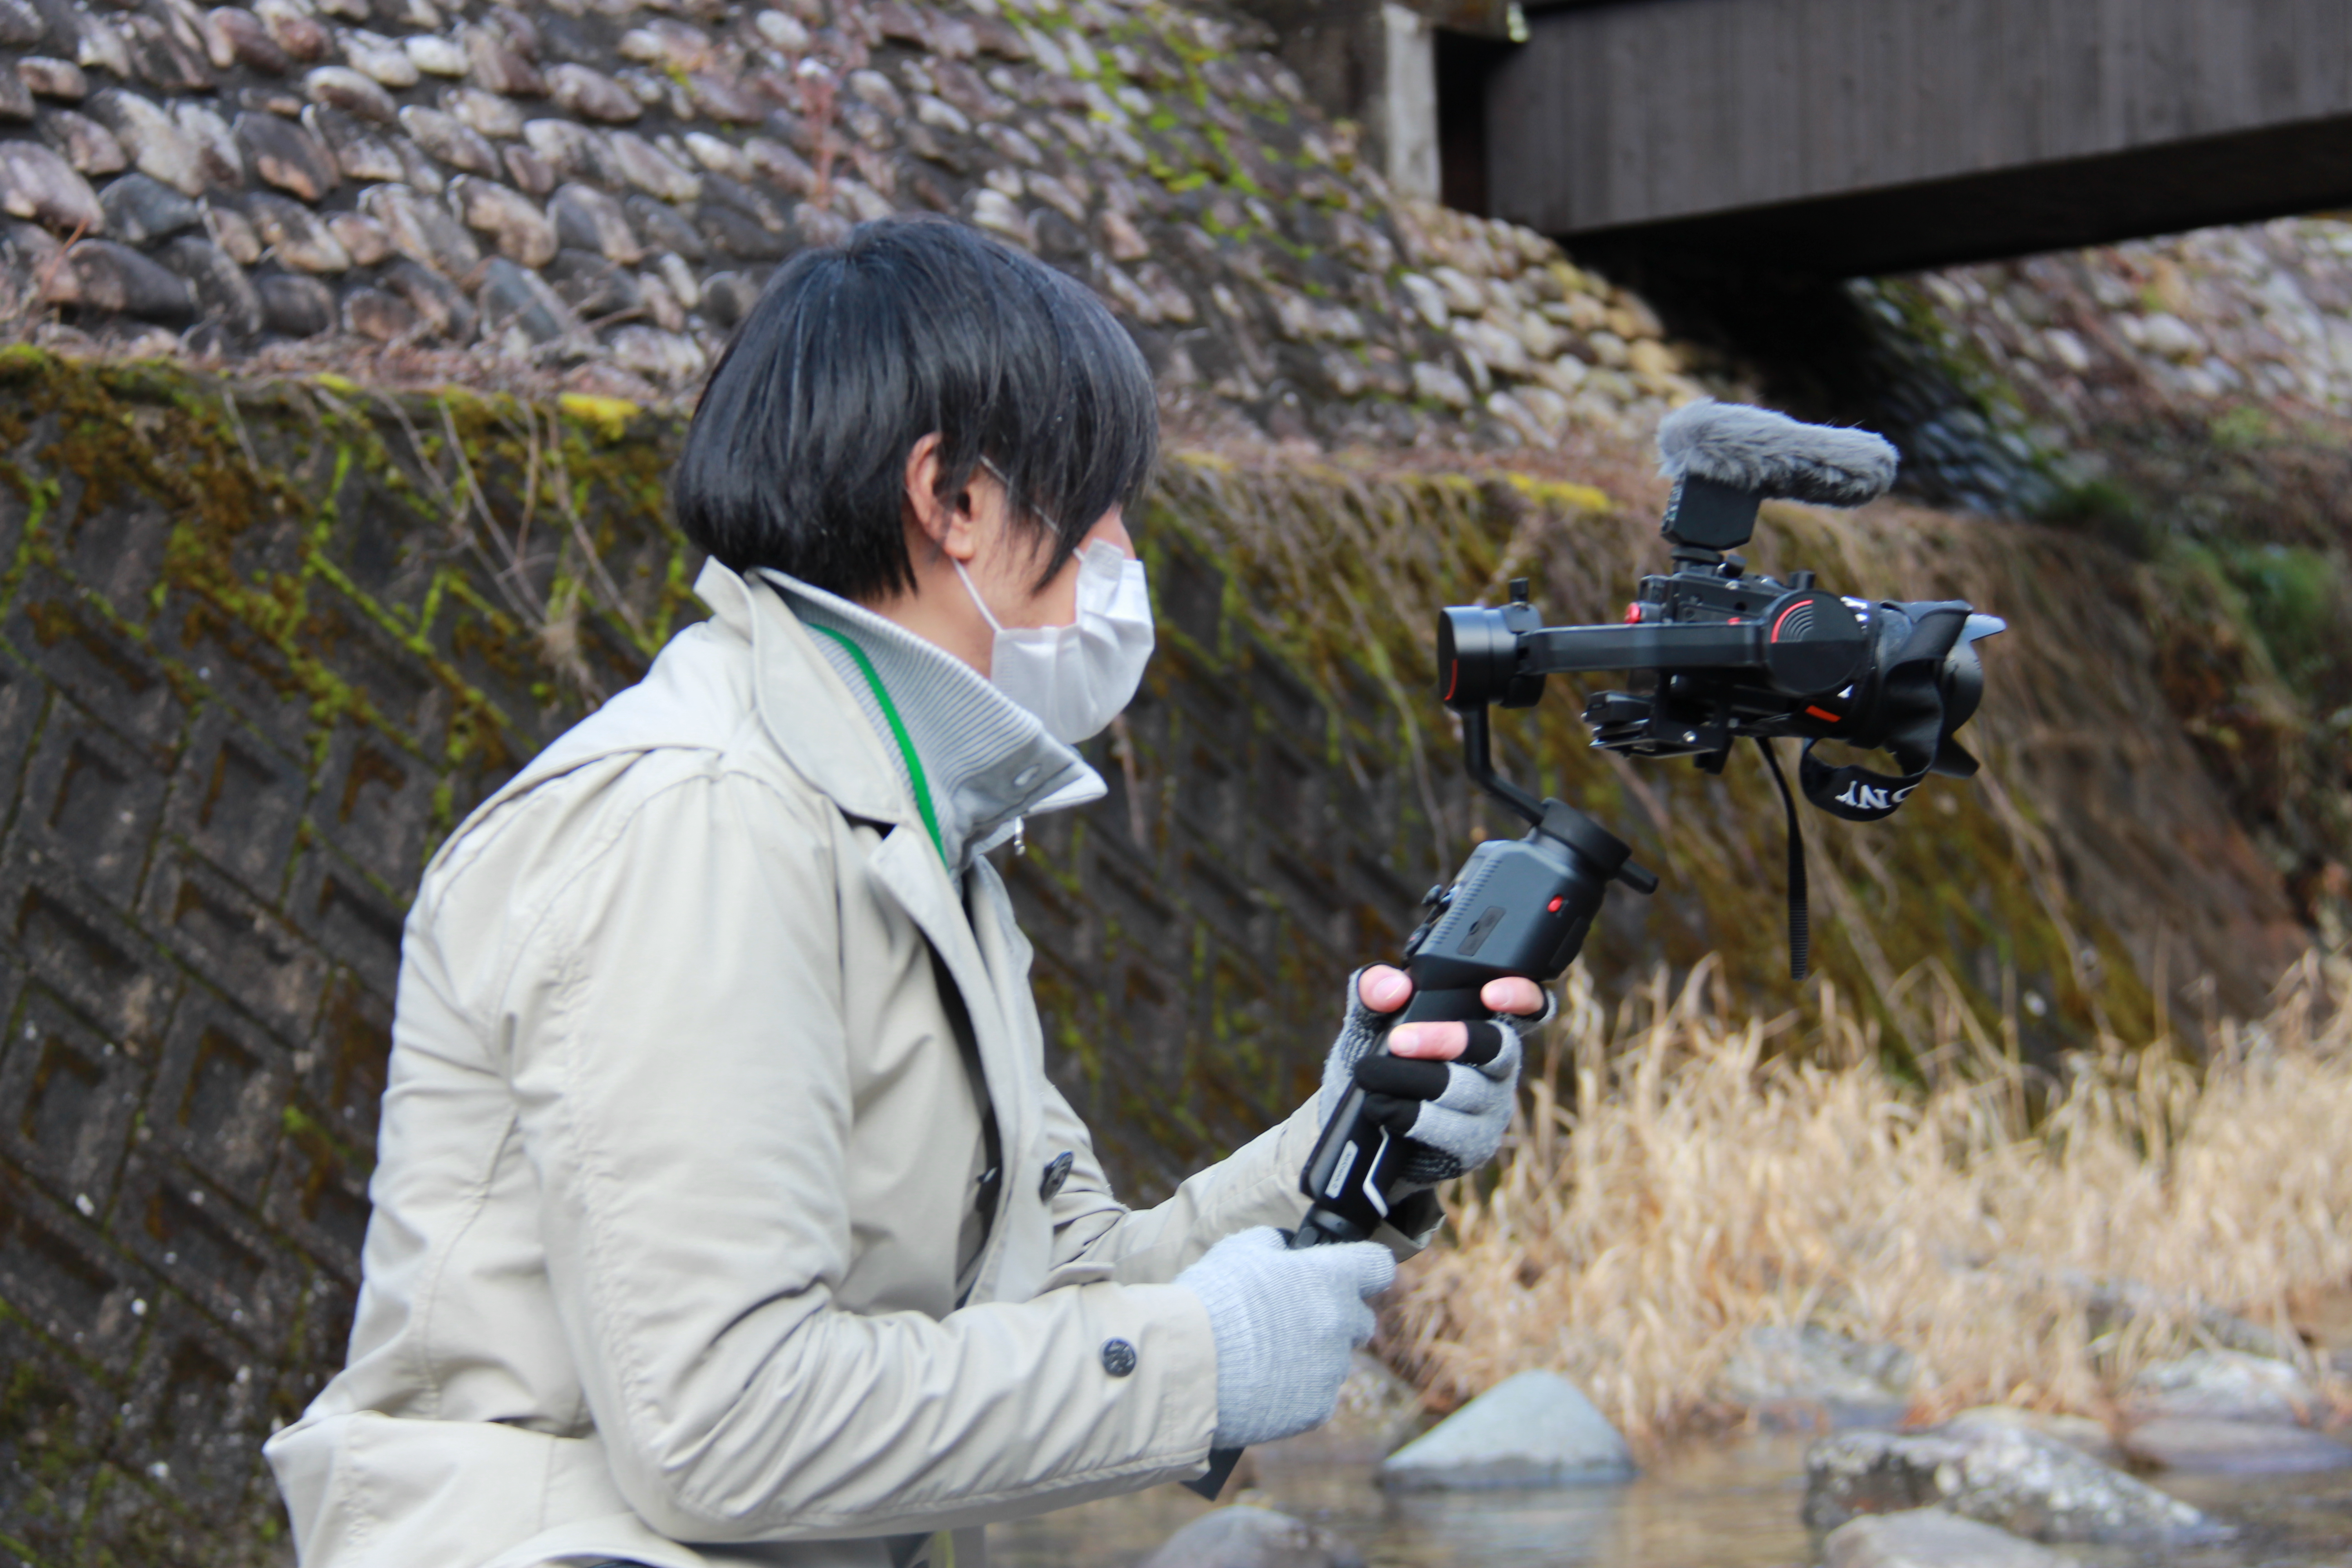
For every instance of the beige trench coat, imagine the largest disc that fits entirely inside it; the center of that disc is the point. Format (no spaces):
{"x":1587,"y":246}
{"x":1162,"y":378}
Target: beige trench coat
{"x":677,"y":1145}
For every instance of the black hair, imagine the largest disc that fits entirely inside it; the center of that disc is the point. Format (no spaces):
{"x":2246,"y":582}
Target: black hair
{"x":797,"y":456}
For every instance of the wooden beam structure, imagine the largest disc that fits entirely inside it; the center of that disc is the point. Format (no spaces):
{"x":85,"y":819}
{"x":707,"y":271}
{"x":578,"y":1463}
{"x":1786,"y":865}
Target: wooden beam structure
{"x":1842,"y":137}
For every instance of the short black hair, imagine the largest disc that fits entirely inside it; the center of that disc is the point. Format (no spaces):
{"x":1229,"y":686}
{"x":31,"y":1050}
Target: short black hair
{"x":797,"y":456}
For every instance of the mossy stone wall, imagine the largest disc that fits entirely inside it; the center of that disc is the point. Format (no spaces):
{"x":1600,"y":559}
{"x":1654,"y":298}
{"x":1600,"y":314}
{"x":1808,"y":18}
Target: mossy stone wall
{"x":263,"y":644}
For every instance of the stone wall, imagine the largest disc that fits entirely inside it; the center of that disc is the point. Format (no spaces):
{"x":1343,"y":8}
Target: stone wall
{"x":590,"y":194}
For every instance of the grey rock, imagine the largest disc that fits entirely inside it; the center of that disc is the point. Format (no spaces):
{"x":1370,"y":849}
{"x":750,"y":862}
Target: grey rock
{"x":593,"y":95}
{"x":1931,"y":1538}
{"x":1247,"y":1537}
{"x":112,"y":276}
{"x":15,"y":97}
{"x":588,"y":219}
{"x":295,"y":235}
{"x":296,"y":306}
{"x":2224,"y":1385}
{"x":732,"y":234}
{"x":574,"y":150}
{"x":497,"y":67}
{"x":817,"y":225}
{"x":360,"y":154}
{"x":251,"y":41}
{"x":422,"y":174}
{"x":33,"y":254}
{"x":360,"y":236}
{"x":2079,"y":1433}
{"x":516,"y":30}
{"x":225,"y":295}
{"x":228,"y":229}
{"x":727,"y":298}
{"x":483,"y":113}
{"x":89,"y":146}
{"x":442,"y":310}
{"x":657,"y":354}
{"x":301,"y":37}
{"x":2233,"y":1447}
{"x":98,"y":46}
{"x":153,"y":141}
{"x":53,"y":79}
{"x":423,"y":231}
{"x":20,"y":25}
{"x":730,"y":192}
{"x":168,"y":53}
{"x":140,"y":209}
{"x":651,"y":169}
{"x":512,"y":221}
{"x":218,"y":158}
{"x":780,"y":165}
{"x":722,"y":98}
{"x":1534,"y":1429}
{"x":515,"y":300}
{"x":339,"y":87}
{"x":664,"y":228}
{"x":530,"y":173}
{"x":287,"y":155}
{"x":450,"y":140}
{"x":436,"y":54}
{"x":380,"y":59}
{"x":372,"y":314}
{"x":592,"y":286}
{"x":36,"y":184}
{"x":2011,"y":1478}
{"x":1812,"y":1377}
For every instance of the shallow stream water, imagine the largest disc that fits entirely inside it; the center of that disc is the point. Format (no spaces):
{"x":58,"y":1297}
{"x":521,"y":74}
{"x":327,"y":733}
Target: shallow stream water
{"x":1729,"y":1507}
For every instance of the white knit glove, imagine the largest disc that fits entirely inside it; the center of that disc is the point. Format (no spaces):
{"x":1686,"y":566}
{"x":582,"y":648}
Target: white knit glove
{"x":1286,"y":1322}
{"x":1454,"y":1113}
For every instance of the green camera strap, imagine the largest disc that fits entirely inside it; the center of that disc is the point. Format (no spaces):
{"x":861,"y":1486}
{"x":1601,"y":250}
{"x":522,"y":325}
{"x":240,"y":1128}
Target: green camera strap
{"x":899,"y":733}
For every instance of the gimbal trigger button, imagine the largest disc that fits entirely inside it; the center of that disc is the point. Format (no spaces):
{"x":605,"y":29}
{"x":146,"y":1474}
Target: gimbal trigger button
{"x":1640,"y":880}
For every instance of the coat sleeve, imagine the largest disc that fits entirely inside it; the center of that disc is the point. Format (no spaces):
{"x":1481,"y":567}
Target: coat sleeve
{"x":1095,"y":1236}
{"x":672,"y":1031}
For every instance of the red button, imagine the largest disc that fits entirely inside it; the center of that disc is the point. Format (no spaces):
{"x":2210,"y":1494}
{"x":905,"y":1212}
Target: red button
{"x":1634,"y":615}
{"x":1554,"y":905}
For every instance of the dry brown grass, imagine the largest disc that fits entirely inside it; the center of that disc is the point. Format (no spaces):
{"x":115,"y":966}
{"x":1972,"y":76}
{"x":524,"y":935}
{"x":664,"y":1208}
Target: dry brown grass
{"x":1684,"y":1175}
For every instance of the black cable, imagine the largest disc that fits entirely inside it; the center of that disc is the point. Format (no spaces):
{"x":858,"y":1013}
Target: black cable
{"x":1799,"y":921}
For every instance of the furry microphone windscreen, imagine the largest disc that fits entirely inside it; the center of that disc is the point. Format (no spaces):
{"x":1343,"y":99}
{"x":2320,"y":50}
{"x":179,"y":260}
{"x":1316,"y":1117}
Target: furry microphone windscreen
{"x":1773,"y":456}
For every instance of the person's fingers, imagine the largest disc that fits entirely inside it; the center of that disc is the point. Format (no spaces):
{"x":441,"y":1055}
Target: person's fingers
{"x":1404,"y":1078}
{"x":1487,"y":1041}
{"x":1384,"y":988}
{"x":1428,"y":1042}
{"x":1513,"y":994}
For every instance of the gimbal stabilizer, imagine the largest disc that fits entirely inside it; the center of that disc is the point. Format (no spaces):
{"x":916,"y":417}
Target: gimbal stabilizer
{"x":1723,"y":655}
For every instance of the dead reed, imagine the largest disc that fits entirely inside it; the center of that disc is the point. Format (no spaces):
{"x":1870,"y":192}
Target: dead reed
{"x":1682,"y":1174}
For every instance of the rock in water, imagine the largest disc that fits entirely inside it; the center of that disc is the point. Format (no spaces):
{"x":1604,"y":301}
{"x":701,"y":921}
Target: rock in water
{"x":2235,"y":1447}
{"x":1810,"y":1377}
{"x":2008,"y":1478}
{"x":1532,"y":1430}
{"x":2077,"y":1432}
{"x":1245,"y":1537}
{"x":1930,"y":1538}
{"x":2224,"y":1386}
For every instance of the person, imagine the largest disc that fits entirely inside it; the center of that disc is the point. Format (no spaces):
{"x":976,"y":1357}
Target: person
{"x":725,"y":1214}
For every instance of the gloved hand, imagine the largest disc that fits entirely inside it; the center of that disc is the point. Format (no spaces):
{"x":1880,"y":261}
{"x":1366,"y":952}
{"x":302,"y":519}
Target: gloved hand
{"x":1285,"y":1323}
{"x":1446,"y":1088}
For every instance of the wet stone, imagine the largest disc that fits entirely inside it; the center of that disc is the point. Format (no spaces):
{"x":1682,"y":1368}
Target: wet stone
{"x":140,"y":209}
{"x":36,"y":184}
{"x":295,"y":306}
{"x":2215,"y":1447}
{"x":1533,"y":1429}
{"x":224,"y":294}
{"x":339,"y":87}
{"x":1931,"y":1538}
{"x":1245,"y":1537}
{"x":2013,"y":1479}
{"x":447,"y":138}
{"x":116,"y":277}
{"x":287,"y":155}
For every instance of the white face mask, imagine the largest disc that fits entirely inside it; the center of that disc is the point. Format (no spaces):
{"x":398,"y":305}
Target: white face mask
{"x":1077,"y":678}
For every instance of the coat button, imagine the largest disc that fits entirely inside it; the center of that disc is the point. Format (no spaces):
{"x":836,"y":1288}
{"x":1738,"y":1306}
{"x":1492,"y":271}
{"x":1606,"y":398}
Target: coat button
{"x":1118,"y":1357}
{"x":1057,"y":1171}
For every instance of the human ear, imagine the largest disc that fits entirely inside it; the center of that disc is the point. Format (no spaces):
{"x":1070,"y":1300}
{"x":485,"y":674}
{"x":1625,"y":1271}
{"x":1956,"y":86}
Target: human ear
{"x":949,"y":523}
